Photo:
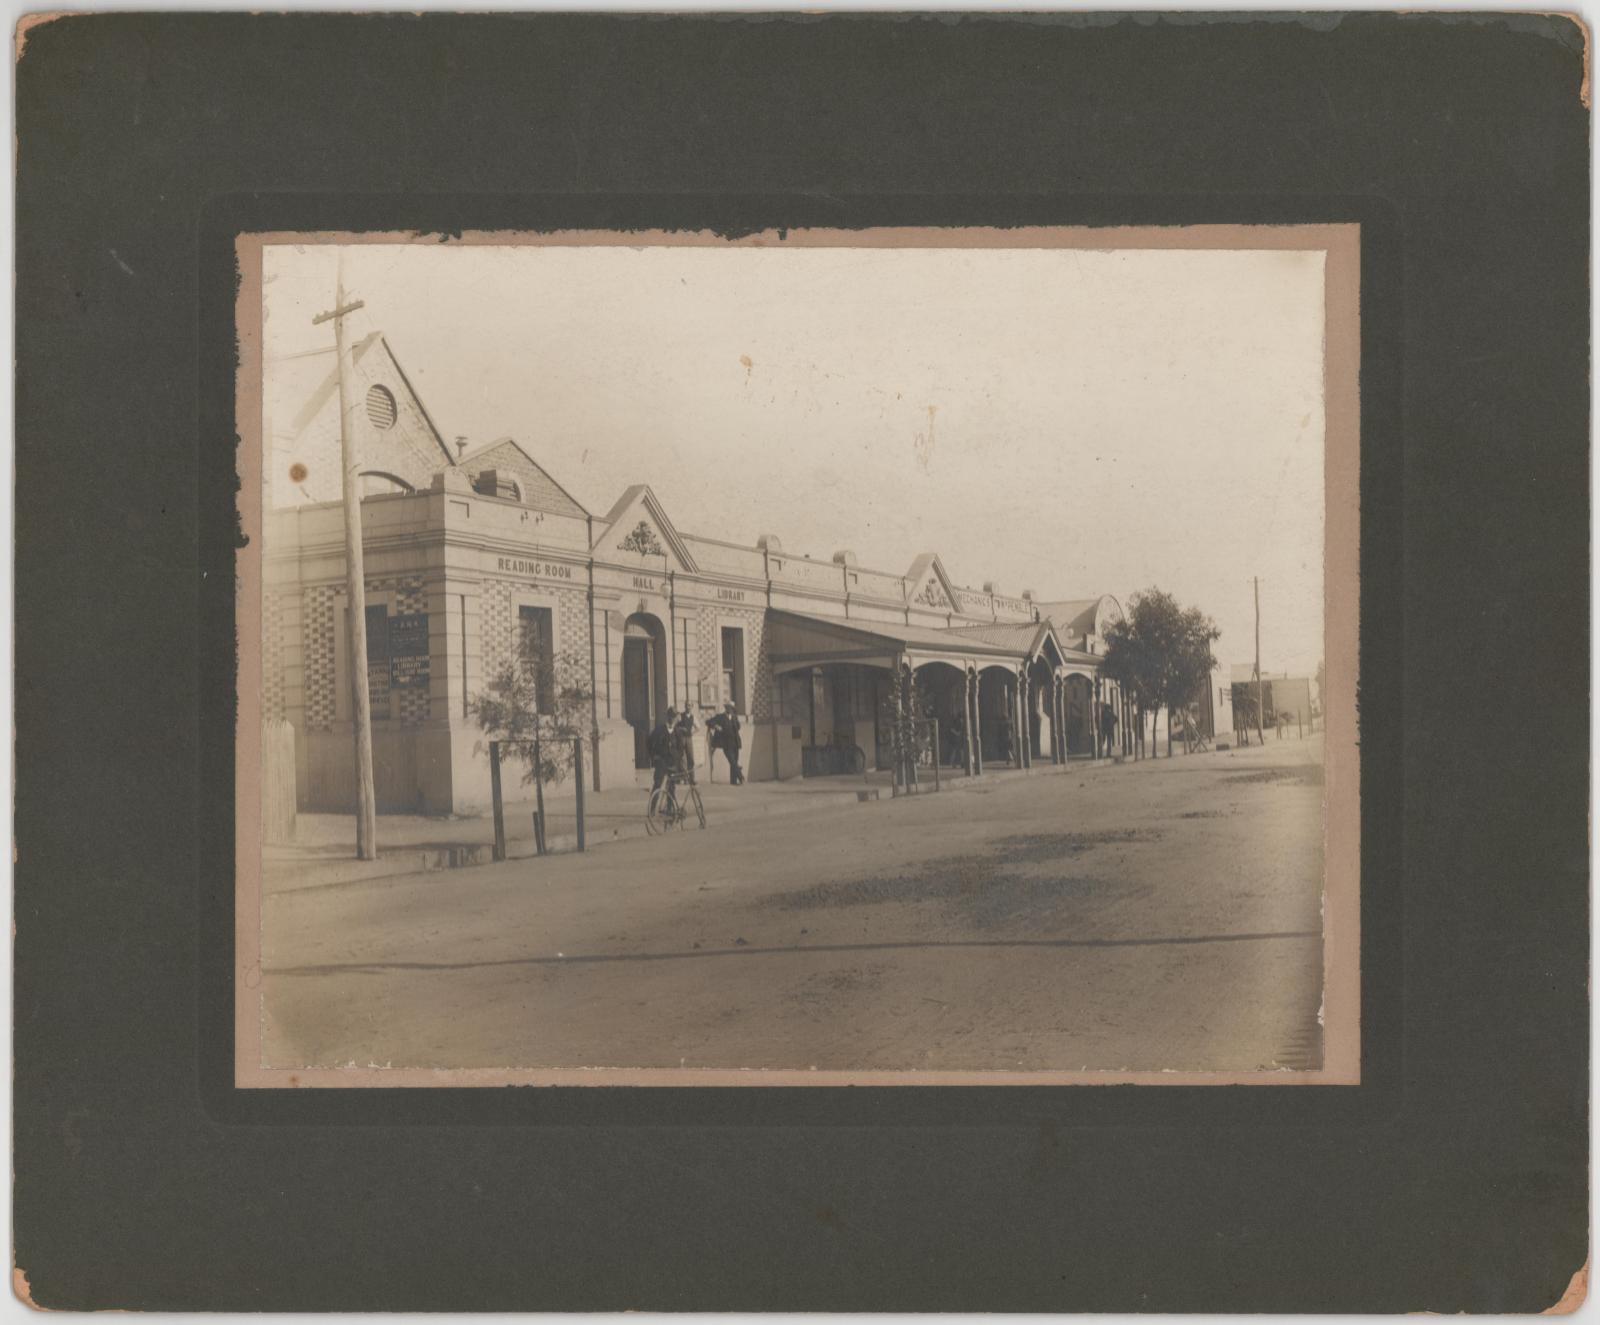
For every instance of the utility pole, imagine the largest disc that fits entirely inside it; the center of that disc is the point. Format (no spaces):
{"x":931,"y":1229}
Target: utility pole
{"x":355,"y":572}
{"x":1260,"y":688}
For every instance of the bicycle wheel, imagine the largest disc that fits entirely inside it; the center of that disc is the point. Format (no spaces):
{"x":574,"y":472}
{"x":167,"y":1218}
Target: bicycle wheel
{"x":697,"y":805}
{"x":656,"y":812}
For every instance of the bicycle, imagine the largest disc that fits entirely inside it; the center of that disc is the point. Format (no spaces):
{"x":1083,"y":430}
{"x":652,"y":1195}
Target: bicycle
{"x":667,"y":809}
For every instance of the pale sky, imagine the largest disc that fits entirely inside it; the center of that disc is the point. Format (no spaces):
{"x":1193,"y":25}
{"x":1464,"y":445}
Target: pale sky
{"x":1069,"y":421}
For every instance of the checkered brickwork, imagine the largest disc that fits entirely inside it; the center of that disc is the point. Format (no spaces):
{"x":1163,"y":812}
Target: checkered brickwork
{"x":319,"y":642}
{"x":410,"y":704}
{"x":499,"y":625}
{"x":317,"y":637}
{"x":272,"y":701}
{"x":708,"y":653}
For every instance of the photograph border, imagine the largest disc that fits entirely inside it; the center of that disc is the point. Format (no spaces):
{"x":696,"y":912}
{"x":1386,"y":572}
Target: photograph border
{"x":1341,"y":827}
{"x":697,"y":220}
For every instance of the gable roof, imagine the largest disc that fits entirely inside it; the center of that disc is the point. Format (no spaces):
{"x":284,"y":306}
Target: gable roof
{"x":541,"y":491}
{"x":329,"y":384}
{"x":416,"y":397}
{"x":1077,"y":617}
{"x":300,"y":408}
{"x":1026,"y":637}
{"x":316,"y":375}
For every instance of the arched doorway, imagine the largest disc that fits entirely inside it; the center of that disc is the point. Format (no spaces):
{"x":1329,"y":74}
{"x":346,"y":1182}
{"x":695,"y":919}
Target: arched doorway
{"x":644,"y":680}
{"x":943,"y":687}
{"x":1080,"y":715}
{"x":997,"y":715}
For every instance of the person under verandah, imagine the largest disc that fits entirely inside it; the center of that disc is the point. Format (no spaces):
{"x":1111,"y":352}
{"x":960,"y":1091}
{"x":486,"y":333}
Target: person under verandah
{"x":724,"y":733}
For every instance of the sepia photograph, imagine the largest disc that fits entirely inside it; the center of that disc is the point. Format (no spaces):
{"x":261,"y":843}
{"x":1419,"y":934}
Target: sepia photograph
{"x":812,"y":657}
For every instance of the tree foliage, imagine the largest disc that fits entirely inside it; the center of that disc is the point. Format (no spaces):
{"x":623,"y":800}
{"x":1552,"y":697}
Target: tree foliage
{"x":537,"y":705}
{"x":1161,"y":653}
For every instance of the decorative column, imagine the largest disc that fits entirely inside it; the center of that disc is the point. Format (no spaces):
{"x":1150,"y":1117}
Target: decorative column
{"x":1095,"y":692}
{"x":967,"y":720}
{"x":1059,"y":690}
{"x":977,"y":727}
{"x":1024,"y":727}
{"x":1019,"y":722}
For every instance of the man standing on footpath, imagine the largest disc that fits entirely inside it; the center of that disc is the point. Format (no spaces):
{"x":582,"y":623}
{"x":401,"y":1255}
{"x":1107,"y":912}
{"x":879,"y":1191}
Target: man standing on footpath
{"x":683,"y":746}
{"x":724,"y":732}
{"x":662,"y":747}
{"x":1108,"y":728}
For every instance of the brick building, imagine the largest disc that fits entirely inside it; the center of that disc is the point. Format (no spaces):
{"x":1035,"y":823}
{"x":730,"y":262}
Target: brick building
{"x":464,"y":549}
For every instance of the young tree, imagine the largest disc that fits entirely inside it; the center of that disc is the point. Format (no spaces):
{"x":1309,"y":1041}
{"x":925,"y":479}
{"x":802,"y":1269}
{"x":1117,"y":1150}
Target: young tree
{"x":538,"y":705}
{"x":906,"y":709}
{"x":1162,"y":654}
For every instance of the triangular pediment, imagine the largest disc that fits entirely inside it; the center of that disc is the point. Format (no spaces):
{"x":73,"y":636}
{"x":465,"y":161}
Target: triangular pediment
{"x":933,"y":588}
{"x":638,"y":528}
{"x":1048,"y":644}
{"x":393,"y":434}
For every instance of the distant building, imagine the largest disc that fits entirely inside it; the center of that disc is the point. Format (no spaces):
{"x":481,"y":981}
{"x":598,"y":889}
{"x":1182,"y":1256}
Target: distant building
{"x":1280,"y":693}
{"x":469,"y":553}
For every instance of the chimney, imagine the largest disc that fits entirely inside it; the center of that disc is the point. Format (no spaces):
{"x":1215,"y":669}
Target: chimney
{"x":461,"y":447}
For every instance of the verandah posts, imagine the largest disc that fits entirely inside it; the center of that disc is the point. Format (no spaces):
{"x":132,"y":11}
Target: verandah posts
{"x":578,"y":781}
{"x":934,"y":722}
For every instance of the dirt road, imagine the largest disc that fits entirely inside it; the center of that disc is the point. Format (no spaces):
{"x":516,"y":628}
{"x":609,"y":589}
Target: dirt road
{"x":1159,"y":915}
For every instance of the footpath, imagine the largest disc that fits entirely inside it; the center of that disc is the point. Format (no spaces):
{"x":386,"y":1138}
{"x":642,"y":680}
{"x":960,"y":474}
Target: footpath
{"x":323,"y":852}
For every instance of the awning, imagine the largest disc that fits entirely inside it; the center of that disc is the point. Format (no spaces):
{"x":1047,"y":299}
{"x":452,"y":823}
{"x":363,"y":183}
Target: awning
{"x":796,"y":641}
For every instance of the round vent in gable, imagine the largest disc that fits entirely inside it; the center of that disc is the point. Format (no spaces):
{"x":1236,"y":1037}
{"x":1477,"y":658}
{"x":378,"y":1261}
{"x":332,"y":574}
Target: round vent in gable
{"x":381,"y":407}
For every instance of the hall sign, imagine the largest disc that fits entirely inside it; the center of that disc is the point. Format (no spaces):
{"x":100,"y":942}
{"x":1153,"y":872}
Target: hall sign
{"x":538,"y":570}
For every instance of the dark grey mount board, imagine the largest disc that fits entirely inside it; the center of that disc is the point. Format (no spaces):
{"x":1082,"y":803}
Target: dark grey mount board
{"x":1454,"y":1178}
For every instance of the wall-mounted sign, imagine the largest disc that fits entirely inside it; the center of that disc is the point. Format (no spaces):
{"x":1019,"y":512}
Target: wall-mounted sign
{"x":408,"y":649}
{"x":731,"y":595}
{"x":537,"y":570}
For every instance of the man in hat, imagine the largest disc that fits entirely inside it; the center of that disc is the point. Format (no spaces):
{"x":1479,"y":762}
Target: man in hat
{"x":724,"y":732}
{"x":1108,"y":728}
{"x":663,"y":747}
{"x":683,"y":745}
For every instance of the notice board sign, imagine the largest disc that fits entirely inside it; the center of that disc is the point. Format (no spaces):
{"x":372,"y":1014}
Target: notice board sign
{"x":408,"y":649}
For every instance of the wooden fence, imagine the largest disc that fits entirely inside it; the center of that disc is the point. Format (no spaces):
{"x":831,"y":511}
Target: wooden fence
{"x":277,"y":781}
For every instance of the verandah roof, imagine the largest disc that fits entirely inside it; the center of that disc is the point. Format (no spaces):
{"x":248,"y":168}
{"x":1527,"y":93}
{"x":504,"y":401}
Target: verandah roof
{"x":796,"y":641}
